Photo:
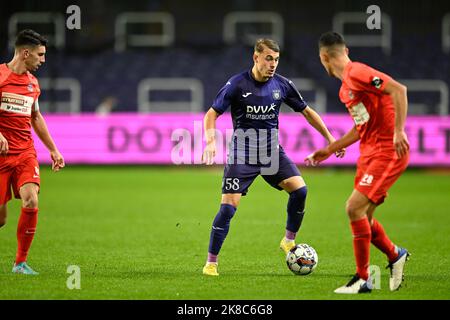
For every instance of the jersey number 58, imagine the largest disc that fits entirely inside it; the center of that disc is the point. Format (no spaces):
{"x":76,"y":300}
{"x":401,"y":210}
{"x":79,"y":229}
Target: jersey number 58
{"x":231,"y":184}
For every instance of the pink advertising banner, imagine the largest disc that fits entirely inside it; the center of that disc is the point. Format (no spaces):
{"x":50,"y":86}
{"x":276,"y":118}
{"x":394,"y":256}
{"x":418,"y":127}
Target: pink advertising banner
{"x":178,"y":138}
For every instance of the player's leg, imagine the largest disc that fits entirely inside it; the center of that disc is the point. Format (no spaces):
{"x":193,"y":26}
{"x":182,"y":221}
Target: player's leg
{"x":371,"y":211}
{"x":219,"y":230}
{"x":296,"y":188}
{"x":385,"y":173}
{"x":235,"y":183}
{"x":397,"y":256}
{"x":292,"y":184}
{"x":3,"y":214}
{"x":379,"y":237}
{"x":29,"y":195}
{"x":5,"y":193}
{"x":288,"y":178}
{"x":26,"y":227}
{"x":221,"y":224}
{"x":26,"y":183}
{"x":357,"y":206}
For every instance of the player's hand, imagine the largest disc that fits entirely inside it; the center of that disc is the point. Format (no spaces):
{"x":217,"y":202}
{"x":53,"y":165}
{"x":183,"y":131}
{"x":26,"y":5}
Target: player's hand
{"x":209,"y":153}
{"x":401,"y":143}
{"x":57,"y":161}
{"x":340,"y":153}
{"x":3,"y":145}
{"x":316,"y":157}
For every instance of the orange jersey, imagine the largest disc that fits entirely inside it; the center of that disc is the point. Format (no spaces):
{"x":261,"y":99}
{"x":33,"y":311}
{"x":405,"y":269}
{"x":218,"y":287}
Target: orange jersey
{"x":19,"y":97}
{"x":372,"y":110}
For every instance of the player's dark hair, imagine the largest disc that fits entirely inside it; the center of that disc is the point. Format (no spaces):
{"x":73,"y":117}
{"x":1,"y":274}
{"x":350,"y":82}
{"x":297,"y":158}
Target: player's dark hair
{"x":30,"y":37}
{"x":269,"y":43}
{"x":331,"y":39}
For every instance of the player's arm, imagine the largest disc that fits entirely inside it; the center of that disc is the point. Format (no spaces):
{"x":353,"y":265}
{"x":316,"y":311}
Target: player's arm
{"x":316,"y":121}
{"x":322,"y":154}
{"x":209,"y":123}
{"x":3,"y":145}
{"x":397,"y":91}
{"x":40,"y":127}
{"x":382,"y":83}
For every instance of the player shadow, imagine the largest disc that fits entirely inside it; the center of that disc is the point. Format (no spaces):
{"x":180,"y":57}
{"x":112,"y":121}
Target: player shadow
{"x":315,"y":274}
{"x":231,"y":273}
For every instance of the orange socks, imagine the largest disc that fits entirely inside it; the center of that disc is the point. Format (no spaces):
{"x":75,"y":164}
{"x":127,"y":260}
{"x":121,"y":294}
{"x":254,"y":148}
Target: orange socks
{"x":26,"y":229}
{"x":382,"y":242}
{"x":361,"y":246}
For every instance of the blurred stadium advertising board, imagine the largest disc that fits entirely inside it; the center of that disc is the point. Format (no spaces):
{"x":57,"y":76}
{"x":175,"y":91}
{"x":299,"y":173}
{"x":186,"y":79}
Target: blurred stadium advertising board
{"x":178,"y":138}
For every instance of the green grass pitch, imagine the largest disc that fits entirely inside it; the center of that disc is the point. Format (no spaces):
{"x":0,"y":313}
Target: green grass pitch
{"x":143,"y":232}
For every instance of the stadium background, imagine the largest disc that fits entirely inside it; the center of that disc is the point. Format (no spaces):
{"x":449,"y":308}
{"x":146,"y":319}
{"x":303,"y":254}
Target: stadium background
{"x":102,"y":92}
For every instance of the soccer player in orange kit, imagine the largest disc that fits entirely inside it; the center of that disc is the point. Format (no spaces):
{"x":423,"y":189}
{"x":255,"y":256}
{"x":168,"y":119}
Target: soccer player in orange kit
{"x":378,"y":105}
{"x":19,"y":111}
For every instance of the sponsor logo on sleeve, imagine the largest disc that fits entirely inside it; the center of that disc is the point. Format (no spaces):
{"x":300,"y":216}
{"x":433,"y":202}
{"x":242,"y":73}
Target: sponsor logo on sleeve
{"x":377,"y":82}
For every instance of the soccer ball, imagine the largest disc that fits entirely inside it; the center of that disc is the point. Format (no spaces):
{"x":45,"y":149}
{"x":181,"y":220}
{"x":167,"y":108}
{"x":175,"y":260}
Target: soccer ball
{"x":302,"y":259}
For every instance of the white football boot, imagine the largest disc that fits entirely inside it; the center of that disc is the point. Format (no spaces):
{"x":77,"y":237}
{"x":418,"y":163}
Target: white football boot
{"x":396,"y":267}
{"x":356,"y":285}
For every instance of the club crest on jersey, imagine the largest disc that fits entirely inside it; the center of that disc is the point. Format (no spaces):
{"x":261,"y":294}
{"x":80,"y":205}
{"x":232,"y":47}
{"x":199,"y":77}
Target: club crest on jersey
{"x":276,"y":94}
{"x":377,"y":82}
{"x":30,"y":87}
{"x":350,"y":94}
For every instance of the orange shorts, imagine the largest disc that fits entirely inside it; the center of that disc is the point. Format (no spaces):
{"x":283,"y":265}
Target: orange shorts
{"x":376,"y":174}
{"x":15,"y":171}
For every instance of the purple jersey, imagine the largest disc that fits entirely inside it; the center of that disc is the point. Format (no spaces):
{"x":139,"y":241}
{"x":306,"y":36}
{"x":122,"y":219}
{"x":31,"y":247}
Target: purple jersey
{"x":256,"y":105}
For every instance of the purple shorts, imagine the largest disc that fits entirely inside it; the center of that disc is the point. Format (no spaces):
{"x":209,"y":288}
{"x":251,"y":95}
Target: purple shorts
{"x":237,"y":178}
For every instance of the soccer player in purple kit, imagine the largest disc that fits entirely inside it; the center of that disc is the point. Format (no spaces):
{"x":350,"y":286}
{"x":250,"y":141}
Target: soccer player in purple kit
{"x":255,"y":97}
